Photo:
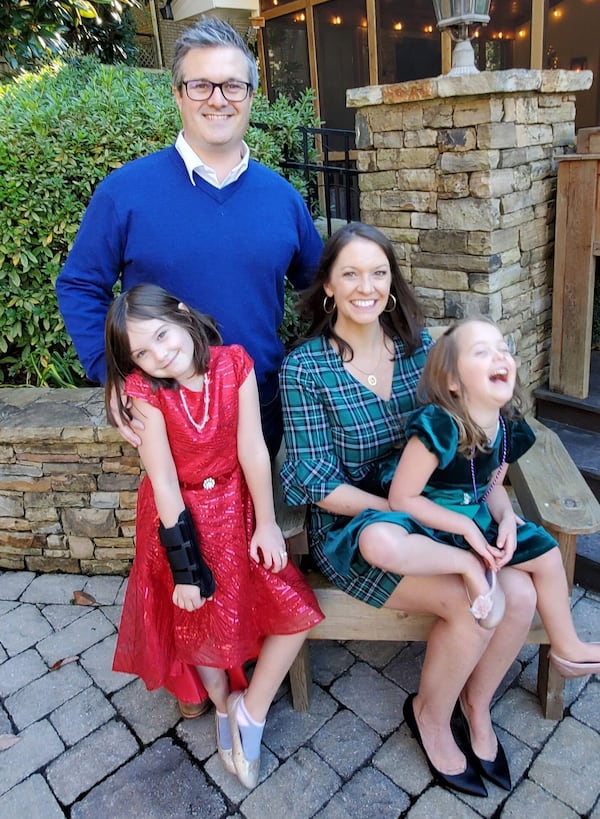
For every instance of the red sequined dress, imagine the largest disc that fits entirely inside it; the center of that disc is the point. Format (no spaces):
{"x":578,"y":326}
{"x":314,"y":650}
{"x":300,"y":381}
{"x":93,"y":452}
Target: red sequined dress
{"x":158,"y":641}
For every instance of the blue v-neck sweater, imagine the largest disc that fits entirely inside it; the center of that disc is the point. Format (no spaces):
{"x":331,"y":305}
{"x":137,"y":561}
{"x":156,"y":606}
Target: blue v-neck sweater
{"x":223,"y":251}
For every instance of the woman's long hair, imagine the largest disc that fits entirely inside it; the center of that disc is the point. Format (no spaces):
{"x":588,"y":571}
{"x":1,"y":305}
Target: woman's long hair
{"x":441,"y":369}
{"x":405,"y":320}
{"x":146,"y":302}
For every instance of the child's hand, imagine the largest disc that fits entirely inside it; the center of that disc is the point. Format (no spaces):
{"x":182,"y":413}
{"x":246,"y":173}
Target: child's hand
{"x":188,"y":597}
{"x":479,"y":544}
{"x":268,"y":540}
{"x":506,"y":542}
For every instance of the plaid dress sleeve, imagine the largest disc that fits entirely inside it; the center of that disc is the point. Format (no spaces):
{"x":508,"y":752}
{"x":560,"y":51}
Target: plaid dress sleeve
{"x":312,"y":469}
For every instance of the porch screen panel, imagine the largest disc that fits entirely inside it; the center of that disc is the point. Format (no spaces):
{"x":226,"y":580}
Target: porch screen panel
{"x":286,"y":56}
{"x":342,"y":57}
{"x":409,"y":42}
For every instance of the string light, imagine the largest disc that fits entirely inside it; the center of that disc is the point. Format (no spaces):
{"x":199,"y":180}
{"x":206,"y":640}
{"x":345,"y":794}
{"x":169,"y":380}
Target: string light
{"x":398,"y":26}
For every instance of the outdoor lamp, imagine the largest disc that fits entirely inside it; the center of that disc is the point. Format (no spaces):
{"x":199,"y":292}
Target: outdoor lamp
{"x":456,"y":16}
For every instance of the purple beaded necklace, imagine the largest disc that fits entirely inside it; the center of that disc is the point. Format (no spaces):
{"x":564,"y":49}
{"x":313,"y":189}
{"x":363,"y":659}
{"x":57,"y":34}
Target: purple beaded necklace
{"x":494,"y":480}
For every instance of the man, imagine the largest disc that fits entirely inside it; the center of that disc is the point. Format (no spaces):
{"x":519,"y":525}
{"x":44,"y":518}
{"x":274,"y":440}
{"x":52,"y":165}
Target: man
{"x":199,"y":218}
{"x":202,"y":220}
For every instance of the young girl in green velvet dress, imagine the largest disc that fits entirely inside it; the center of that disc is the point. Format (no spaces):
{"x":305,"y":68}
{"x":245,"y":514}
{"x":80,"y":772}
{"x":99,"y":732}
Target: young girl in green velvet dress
{"x":449,"y":481}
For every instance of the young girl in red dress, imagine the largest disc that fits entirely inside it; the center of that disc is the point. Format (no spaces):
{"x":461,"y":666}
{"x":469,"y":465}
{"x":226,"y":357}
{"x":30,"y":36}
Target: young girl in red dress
{"x":210,"y":586}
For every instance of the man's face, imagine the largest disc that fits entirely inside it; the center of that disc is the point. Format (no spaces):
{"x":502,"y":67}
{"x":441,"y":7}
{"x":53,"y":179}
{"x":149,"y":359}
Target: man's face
{"x":214,"y":126}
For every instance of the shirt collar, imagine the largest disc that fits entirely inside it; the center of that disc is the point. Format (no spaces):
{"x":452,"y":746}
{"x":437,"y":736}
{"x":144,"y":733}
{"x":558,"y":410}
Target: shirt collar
{"x":193,"y":163}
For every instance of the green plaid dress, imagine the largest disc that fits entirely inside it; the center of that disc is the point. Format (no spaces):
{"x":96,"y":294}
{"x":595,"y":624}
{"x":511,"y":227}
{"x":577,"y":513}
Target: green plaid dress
{"x":337,"y":431}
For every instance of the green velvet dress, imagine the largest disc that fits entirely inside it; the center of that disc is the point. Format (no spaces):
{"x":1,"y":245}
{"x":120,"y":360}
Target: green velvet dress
{"x":452,"y":486}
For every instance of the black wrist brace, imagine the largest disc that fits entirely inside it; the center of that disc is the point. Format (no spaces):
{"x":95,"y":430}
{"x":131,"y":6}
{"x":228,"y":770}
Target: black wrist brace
{"x":184,"y":556}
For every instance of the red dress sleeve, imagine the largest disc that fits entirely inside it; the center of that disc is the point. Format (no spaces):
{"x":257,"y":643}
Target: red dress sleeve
{"x":136,"y":386}
{"x":242,"y":363}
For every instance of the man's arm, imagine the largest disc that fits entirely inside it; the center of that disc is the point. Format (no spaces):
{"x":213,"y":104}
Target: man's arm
{"x":84,"y":287}
{"x":303,"y":267}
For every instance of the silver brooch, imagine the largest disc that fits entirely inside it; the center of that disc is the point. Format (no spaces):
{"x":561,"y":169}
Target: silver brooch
{"x":208,"y":483}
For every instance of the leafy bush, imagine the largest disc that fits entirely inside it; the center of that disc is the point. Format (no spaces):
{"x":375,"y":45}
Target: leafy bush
{"x":62,"y":130}
{"x":30,"y":30}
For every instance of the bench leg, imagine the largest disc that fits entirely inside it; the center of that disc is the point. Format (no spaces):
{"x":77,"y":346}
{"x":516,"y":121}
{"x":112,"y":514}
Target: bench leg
{"x":551,"y":686}
{"x":300,"y":679}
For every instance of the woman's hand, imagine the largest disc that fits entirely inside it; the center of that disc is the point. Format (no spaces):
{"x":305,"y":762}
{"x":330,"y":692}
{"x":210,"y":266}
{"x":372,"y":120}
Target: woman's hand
{"x":268,"y":540}
{"x":188,"y":597}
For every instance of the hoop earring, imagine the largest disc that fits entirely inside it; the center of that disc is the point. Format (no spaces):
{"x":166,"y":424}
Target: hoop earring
{"x":325,"y":310}
{"x":394,"y":305}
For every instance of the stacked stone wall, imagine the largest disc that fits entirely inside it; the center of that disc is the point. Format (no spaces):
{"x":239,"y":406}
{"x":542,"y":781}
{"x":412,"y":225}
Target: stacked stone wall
{"x":460,"y":172}
{"x":68,"y":484}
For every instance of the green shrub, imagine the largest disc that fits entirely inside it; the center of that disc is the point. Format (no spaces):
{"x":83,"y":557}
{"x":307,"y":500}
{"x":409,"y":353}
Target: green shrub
{"x":62,"y":129}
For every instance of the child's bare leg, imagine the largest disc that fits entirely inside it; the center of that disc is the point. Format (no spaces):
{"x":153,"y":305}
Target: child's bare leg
{"x":391,"y":548}
{"x":248,"y":712}
{"x":276,"y":656}
{"x":554,"y":606}
{"x":216,"y":683}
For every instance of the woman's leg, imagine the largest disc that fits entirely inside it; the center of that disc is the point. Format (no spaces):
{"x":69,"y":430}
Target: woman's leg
{"x":554,"y":606}
{"x":455,"y":646}
{"x":507,"y":640}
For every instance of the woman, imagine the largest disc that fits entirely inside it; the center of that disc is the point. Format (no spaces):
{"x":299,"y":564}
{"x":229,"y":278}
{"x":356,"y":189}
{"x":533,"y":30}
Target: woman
{"x":345,"y":392}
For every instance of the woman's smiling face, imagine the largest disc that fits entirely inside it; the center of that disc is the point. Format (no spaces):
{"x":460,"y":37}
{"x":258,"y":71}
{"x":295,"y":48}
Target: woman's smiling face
{"x":359,"y":281}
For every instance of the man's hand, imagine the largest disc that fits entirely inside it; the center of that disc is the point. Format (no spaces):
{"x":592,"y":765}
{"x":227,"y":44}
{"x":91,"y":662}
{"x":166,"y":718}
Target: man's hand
{"x":126,"y":431}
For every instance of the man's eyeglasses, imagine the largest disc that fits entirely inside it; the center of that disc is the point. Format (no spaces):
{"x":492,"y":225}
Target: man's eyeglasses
{"x":202,"y":90}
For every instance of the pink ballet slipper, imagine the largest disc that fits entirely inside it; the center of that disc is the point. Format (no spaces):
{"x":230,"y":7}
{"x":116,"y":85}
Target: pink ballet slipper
{"x":488,"y":609}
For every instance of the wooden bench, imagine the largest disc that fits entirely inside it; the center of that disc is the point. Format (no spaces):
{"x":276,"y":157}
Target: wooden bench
{"x":548,"y":489}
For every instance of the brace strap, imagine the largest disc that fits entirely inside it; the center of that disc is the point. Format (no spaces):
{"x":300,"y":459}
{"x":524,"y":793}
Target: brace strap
{"x":184,"y":555}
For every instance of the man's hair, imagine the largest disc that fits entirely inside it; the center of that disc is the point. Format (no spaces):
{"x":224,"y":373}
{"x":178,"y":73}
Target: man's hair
{"x":210,"y":32}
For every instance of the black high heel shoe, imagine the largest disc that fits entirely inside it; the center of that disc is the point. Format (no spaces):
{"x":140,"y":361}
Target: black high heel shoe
{"x":468,"y":781}
{"x":496,"y":771}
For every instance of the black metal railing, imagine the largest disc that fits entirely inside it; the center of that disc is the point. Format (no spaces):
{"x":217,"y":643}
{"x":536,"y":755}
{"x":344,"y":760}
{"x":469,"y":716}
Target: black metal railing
{"x":329,"y":172}
{"x":332,"y":184}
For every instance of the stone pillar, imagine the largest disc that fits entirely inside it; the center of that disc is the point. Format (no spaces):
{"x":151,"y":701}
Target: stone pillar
{"x":460,"y":173}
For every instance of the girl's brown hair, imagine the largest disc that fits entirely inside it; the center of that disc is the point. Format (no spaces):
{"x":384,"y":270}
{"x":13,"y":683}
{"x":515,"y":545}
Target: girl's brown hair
{"x":404,"y":321}
{"x":146,"y":302}
{"x":441,"y":368}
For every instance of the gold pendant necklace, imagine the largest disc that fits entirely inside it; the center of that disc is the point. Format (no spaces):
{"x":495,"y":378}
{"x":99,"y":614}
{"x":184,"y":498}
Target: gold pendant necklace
{"x":371,"y":377}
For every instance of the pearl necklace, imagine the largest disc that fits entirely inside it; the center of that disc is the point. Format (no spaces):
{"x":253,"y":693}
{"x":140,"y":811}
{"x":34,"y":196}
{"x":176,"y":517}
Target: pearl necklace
{"x":199,"y":427}
{"x":494,"y":481}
